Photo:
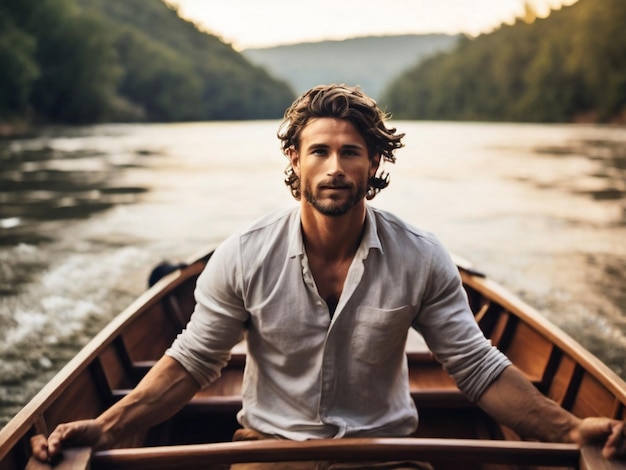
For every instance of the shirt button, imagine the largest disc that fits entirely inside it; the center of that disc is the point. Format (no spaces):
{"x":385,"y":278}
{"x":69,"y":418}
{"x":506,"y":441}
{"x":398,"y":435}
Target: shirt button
{"x":319,"y":303}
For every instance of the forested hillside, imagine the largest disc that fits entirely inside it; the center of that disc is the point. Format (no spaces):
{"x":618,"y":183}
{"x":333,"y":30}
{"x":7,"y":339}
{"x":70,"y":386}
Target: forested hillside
{"x":81,"y":61}
{"x":371,"y":62}
{"x":568,"y":67}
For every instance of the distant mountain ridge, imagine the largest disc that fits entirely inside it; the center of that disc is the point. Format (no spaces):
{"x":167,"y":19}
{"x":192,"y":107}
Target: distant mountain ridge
{"x":371,"y":62}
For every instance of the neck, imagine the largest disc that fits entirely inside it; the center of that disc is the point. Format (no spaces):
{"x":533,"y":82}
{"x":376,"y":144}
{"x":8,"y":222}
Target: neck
{"x":332,"y":237}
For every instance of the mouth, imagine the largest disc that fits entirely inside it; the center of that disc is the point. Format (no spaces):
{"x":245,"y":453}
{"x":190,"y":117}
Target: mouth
{"x":334,"y":187}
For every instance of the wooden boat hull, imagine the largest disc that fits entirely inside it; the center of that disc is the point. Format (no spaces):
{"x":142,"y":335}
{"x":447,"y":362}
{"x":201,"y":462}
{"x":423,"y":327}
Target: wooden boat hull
{"x":451,"y":429}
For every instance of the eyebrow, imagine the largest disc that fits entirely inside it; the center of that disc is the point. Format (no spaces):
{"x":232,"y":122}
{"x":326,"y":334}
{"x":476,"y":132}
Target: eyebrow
{"x":343,"y":147}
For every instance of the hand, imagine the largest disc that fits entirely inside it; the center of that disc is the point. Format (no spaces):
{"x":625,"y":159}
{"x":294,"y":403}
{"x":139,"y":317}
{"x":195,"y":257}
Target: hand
{"x":86,"y":433}
{"x":609,"y":431}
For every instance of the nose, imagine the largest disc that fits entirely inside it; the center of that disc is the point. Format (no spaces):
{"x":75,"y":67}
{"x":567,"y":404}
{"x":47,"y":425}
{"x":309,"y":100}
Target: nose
{"x":334,"y":165}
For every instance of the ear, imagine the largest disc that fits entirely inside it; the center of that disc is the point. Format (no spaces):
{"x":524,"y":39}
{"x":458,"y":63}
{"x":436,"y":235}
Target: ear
{"x":294,"y":158}
{"x":375,"y":165}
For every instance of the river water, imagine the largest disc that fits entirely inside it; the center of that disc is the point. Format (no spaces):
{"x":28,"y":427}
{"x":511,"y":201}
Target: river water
{"x":86,"y":212}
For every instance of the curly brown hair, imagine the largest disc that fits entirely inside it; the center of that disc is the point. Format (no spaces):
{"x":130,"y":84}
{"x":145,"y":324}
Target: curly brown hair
{"x":342,"y":102}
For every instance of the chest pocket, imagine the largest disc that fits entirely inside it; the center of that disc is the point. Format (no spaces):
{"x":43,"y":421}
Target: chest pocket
{"x":378,"y":333}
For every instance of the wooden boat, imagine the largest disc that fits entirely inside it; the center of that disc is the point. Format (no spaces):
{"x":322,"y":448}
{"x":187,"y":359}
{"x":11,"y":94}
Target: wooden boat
{"x":453,"y":433}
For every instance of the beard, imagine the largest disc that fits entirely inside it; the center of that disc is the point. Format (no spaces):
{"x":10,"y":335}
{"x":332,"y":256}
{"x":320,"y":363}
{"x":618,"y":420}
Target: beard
{"x":334,"y":207}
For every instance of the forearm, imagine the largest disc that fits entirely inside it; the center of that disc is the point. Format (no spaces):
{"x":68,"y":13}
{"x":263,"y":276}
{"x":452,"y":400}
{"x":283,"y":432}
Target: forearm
{"x":161,"y":393}
{"x":514,"y":402}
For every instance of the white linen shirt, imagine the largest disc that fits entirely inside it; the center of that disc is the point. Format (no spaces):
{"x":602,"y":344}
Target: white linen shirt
{"x":309,"y":375}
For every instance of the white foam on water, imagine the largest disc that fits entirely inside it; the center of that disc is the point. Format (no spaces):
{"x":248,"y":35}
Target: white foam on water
{"x":27,"y":323}
{"x":70,"y":293}
{"x":10,"y":222}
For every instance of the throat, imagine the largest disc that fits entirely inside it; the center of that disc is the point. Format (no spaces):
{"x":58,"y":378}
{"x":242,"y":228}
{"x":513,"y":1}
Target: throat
{"x":332,"y":302}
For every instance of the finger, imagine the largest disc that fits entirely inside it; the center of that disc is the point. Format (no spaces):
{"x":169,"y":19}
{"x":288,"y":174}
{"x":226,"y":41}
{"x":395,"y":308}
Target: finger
{"x":615,"y":445}
{"x":595,"y":430}
{"x":56,"y":438}
{"x":39,"y":445}
{"x":68,"y":432}
{"x":80,"y":433}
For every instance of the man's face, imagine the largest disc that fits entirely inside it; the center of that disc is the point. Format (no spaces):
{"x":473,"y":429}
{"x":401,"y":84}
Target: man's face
{"x":333,"y":165}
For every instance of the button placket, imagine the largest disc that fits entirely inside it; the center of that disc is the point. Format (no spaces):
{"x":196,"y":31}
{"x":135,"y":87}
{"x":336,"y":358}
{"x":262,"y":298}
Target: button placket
{"x":309,"y":281}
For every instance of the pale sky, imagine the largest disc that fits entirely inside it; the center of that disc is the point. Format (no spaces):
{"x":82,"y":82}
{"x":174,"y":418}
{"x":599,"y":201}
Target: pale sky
{"x":262,"y":23}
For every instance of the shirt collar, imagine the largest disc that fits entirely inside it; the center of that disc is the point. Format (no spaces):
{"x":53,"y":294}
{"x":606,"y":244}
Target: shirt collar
{"x":296,"y":244}
{"x":370,"y":235}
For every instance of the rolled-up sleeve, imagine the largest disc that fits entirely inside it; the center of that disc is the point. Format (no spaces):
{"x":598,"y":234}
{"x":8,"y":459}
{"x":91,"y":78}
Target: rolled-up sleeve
{"x":451,"y":332}
{"x":219,"y":318}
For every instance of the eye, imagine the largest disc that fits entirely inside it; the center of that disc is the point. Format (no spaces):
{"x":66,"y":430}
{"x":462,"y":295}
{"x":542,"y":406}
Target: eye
{"x":351,"y":153}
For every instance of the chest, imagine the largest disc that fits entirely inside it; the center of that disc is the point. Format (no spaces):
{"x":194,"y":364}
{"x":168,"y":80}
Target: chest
{"x":330,"y":278}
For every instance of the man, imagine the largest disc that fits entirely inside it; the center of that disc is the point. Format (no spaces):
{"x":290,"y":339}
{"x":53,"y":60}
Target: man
{"x":325,"y":294}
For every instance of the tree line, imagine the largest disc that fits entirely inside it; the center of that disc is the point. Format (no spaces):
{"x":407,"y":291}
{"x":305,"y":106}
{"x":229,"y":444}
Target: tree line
{"x":85,"y":61}
{"x":570,"y":66}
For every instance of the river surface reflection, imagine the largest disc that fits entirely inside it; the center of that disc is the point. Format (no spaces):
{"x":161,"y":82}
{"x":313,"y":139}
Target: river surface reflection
{"x":86,"y":212}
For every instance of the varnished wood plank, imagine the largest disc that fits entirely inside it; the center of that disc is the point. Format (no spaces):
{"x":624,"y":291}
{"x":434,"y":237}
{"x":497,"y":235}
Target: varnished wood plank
{"x":562,"y":380}
{"x":355,"y":450}
{"x":591,"y":459}
{"x":528,"y":315}
{"x":528,"y":350}
{"x":77,"y":458}
{"x":593,"y":399}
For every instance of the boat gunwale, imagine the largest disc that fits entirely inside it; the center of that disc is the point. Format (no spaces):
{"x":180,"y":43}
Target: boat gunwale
{"x":554,"y":334}
{"x":28,"y":416}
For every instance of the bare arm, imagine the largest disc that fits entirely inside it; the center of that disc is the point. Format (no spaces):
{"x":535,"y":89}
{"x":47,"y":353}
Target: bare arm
{"x":514,"y":402}
{"x":165,"y":389}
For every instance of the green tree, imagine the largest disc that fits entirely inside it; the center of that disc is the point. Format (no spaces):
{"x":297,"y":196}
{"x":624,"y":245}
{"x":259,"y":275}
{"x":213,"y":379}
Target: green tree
{"x":160,"y":81}
{"x":60,"y":61}
{"x":568,"y":65}
{"x":18,"y":68}
{"x":600,"y":41}
{"x":79,"y":70}
{"x":173,"y":71}
{"x":79,"y":61}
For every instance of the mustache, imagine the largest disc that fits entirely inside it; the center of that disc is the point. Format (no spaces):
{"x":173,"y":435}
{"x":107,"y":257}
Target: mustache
{"x":334,"y":183}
